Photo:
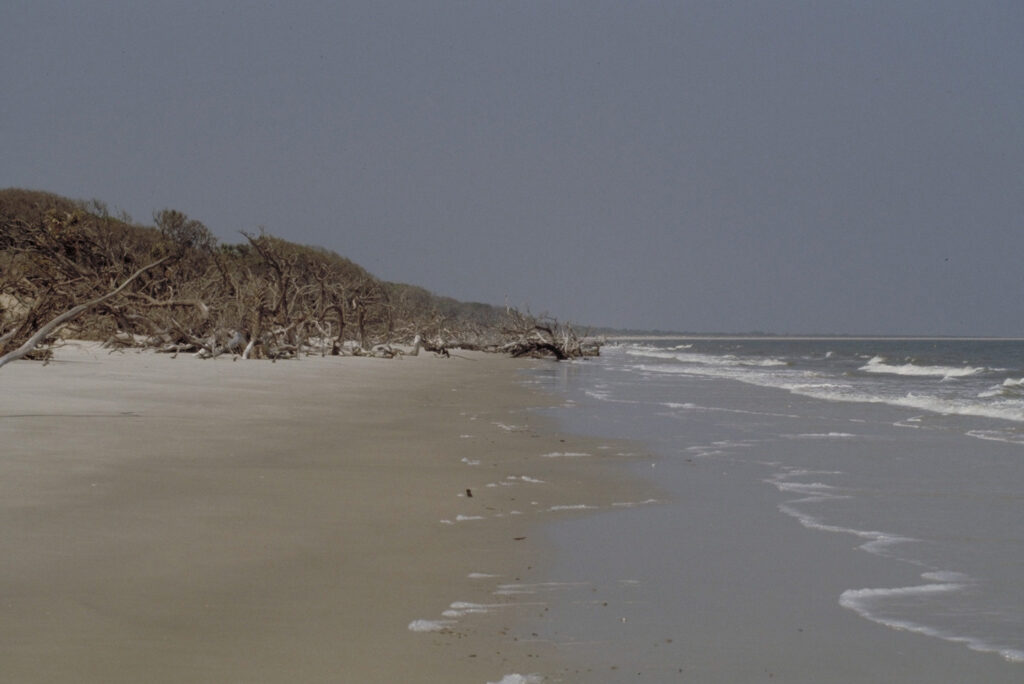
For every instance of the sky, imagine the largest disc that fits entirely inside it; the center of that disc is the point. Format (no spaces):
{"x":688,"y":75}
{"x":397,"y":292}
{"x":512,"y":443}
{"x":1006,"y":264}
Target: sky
{"x":786,"y":167}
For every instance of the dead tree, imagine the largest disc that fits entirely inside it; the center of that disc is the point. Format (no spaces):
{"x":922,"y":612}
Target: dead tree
{"x":263,"y":298}
{"x":45,"y":330}
{"x":543,"y":337}
{"x":54,"y":263}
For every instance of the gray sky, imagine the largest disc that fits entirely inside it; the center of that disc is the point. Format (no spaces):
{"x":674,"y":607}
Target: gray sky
{"x":848,"y":167}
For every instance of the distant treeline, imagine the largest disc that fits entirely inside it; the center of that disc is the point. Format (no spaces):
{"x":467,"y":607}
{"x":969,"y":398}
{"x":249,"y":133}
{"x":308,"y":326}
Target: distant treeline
{"x":261,"y":297}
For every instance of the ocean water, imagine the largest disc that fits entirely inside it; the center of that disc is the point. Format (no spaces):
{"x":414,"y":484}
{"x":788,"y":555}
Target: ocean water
{"x":894,"y":469}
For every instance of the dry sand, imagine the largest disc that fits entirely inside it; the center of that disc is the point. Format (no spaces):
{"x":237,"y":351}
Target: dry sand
{"x":170,"y":520}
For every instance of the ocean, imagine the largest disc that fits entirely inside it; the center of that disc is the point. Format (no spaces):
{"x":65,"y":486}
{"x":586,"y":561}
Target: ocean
{"x":829,"y":508}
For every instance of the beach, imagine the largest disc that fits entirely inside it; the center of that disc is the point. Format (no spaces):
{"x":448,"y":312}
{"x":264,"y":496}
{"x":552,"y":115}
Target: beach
{"x":712,"y":513}
{"x":318,"y":520}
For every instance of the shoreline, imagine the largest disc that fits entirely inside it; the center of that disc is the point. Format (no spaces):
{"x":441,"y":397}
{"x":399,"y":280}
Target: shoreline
{"x":729,"y":337}
{"x":171,"y":519}
{"x":748,"y":569}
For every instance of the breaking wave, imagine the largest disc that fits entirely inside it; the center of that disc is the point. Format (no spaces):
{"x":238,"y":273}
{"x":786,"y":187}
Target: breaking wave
{"x":878,"y":365}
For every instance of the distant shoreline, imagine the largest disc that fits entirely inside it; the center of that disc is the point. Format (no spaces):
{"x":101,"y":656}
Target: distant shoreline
{"x":789,"y":338}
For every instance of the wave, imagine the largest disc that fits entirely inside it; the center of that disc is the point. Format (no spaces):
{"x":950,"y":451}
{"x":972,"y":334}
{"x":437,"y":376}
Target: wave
{"x":877,"y":364}
{"x":872,"y":604}
{"x":813,"y":385}
{"x":1007,"y":410}
{"x":885,"y":605}
{"x":881,"y":605}
{"x":1008,"y":388}
{"x":1003,"y":410}
{"x":877,"y":542}
{"x":997,"y":436}
{"x":705,"y":359}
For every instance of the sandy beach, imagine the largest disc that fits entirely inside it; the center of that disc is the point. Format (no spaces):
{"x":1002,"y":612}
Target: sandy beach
{"x":321,"y":520}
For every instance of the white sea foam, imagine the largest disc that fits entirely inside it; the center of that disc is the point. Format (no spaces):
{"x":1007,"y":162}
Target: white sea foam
{"x":803,"y":472}
{"x":539,"y":587}
{"x":1008,"y":388}
{"x":430,"y":625}
{"x":513,"y":592}
{"x":651,"y":353}
{"x":727,"y":360}
{"x":1005,"y":410}
{"x":877,"y":542}
{"x":461,"y":518}
{"x":826,"y":435}
{"x":946,"y":576}
{"x":997,"y":436}
{"x":819,"y":492}
{"x":565,"y":454}
{"x":463,"y":608}
{"x":519,"y":679}
{"x":811,"y":384}
{"x":732,"y":444}
{"x":481,"y":575}
{"x":571,"y":507}
{"x":942,"y":381}
{"x":871,"y":604}
{"x":510,"y":428}
{"x":809,"y":488}
{"x":526,"y":478}
{"x":860,"y":600}
{"x":676,"y":405}
{"x":632,"y":504}
{"x":877,"y":364}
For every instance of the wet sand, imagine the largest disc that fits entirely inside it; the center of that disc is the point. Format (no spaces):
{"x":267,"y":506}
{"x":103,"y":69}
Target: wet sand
{"x":171,"y":520}
{"x":717,"y":584}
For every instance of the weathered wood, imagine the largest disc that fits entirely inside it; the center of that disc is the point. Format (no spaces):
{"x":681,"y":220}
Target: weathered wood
{"x":43,"y":332}
{"x":544,"y":337}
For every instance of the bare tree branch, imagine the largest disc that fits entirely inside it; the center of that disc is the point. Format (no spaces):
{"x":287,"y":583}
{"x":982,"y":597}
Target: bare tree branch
{"x":69,"y":315}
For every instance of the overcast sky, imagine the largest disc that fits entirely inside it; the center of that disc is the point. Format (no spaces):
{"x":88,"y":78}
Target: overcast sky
{"x":820,"y":166}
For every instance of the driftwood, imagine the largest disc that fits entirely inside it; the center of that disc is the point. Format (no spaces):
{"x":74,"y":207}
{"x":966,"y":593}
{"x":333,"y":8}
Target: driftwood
{"x":544,"y":337}
{"x":43,"y":332}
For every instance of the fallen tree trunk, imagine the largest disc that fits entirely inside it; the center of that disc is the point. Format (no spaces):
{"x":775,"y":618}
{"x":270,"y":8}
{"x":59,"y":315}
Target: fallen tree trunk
{"x":44,"y":331}
{"x":543,"y":338}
